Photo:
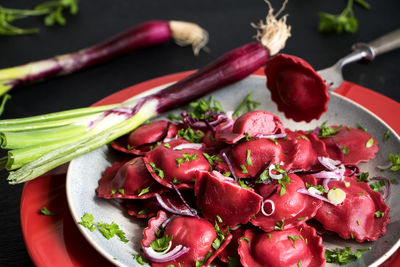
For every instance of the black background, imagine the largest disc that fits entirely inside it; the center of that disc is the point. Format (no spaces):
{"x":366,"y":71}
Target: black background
{"x":228,"y":23}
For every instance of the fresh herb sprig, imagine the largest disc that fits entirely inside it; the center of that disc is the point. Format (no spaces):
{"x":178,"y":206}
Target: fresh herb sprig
{"x":247,"y":104}
{"x":52,"y":10}
{"x":344,"y":22}
{"x":343,"y":256}
{"x":107,"y":230}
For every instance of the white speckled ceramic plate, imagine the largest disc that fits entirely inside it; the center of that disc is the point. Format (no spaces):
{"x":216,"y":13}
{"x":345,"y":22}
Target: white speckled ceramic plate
{"x":85,"y":171}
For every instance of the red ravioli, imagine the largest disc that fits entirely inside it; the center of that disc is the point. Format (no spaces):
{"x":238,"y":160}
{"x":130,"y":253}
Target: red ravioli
{"x":253,"y":123}
{"x":261,"y":152}
{"x":260,"y":249}
{"x":298,"y":151}
{"x":197,"y":234}
{"x":355,"y":217}
{"x":292,"y":208}
{"x":167,"y":165}
{"x":296,"y":88}
{"x":131,"y":181}
{"x":356,"y":141}
{"x":147,"y":208}
{"x":220,"y":196}
{"x":139,"y":141}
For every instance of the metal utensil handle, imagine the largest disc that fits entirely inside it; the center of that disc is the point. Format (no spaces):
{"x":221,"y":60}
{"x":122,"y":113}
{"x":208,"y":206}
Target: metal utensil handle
{"x":386,"y":43}
{"x":383,"y":44}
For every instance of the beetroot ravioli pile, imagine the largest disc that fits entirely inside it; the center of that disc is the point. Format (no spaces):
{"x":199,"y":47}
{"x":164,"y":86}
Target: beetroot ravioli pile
{"x":247,"y":191}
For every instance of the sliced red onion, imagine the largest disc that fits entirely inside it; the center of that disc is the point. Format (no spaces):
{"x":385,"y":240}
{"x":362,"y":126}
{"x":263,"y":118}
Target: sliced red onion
{"x":316,"y":131}
{"x":385,"y":167}
{"x":272,"y":175}
{"x":167,"y":140}
{"x":329,"y":163}
{"x":314,"y":190}
{"x":188,"y":146}
{"x":228,"y":162}
{"x":325,"y":183}
{"x":327,"y":175}
{"x":354,"y":170}
{"x":386,"y":189}
{"x":306,"y":192}
{"x":166,"y":222}
{"x":272,"y":207}
{"x":230,"y":122}
{"x":275,"y":136}
{"x":236,"y":227}
{"x":166,"y":255}
{"x":194,"y":213}
{"x":164,"y":205}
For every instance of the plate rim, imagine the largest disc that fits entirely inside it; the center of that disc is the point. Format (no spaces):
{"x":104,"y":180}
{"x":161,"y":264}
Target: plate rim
{"x":111,"y":259}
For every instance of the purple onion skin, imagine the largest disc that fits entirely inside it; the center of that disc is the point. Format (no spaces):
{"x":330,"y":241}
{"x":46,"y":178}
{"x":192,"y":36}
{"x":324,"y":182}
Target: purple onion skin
{"x":143,"y":35}
{"x":227,"y":69}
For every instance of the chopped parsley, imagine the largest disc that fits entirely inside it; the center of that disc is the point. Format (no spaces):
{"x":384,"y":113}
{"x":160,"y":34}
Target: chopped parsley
{"x":302,"y":218}
{"x":318,"y":187}
{"x":216,"y":243}
{"x":344,"y":149}
{"x":144,"y":211}
{"x":293,"y":238}
{"x":299,"y":264}
{"x":283,"y":182}
{"x":167,"y":145}
{"x":219,"y":219}
{"x":248,"y":159}
{"x":233,"y":262}
{"x":279,"y":225}
{"x":395,"y":159}
{"x":143,"y":191}
{"x":377,"y":185}
{"x":244,"y":169}
{"x":379,"y":214}
{"x":362,"y":128}
{"x":139,"y":259}
{"x":263,"y":177}
{"x":243,"y":183}
{"x":161,"y":244}
{"x":200,"y":107}
{"x":107,"y":230}
{"x":386,"y":136}
{"x":211,"y":159}
{"x":326,"y":132}
{"x":121,"y":191}
{"x":369,"y":143}
{"x":363,"y":177}
{"x":273,"y":140}
{"x":156,"y":170}
{"x":175,"y":181}
{"x":244,"y":239}
{"x":248,"y":104}
{"x":46,"y":212}
{"x":186,"y":157}
{"x":343,"y":256}
{"x":191,"y":135}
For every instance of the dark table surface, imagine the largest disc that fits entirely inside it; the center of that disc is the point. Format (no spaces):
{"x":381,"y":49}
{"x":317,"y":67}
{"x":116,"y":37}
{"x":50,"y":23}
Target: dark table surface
{"x":228,"y":23}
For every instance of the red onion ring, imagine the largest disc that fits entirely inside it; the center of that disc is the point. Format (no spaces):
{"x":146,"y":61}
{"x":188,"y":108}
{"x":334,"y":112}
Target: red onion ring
{"x":230,"y":122}
{"x":184,"y":201}
{"x":272,"y":207}
{"x":275,"y":136}
{"x":172,"y":210}
{"x":306,"y":192}
{"x":228,"y":162}
{"x":274,"y":176}
{"x":329,"y":163}
{"x":385,"y":167}
{"x":166,"y":255}
{"x":188,"y":146}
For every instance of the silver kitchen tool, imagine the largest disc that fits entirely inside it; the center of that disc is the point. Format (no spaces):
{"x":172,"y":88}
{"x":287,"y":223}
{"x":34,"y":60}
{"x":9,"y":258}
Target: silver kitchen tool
{"x":361,"y":51}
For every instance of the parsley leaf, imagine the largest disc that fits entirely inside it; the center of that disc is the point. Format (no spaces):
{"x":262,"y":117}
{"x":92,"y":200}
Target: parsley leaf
{"x":244,"y":169}
{"x":363,"y":177}
{"x":369,"y":143}
{"x":379,"y":214}
{"x":247,"y":104}
{"x":343,"y":256}
{"x":156,"y":170}
{"x":107,"y":230}
{"x":395,"y":159}
{"x":200,"y":107}
{"x":186,"y":157}
{"x":143,"y":191}
{"x":327,"y":132}
{"x":293,"y":238}
{"x":46,"y":212}
{"x":386,"y":136}
{"x":161,"y":244}
{"x":279,"y":225}
{"x":318,"y":187}
{"x":344,"y":22}
{"x":248,"y":159}
{"x":139,"y":259}
{"x":191,"y":135}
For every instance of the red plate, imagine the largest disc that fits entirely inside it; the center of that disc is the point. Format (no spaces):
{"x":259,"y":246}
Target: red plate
{"x":55,"y":240}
